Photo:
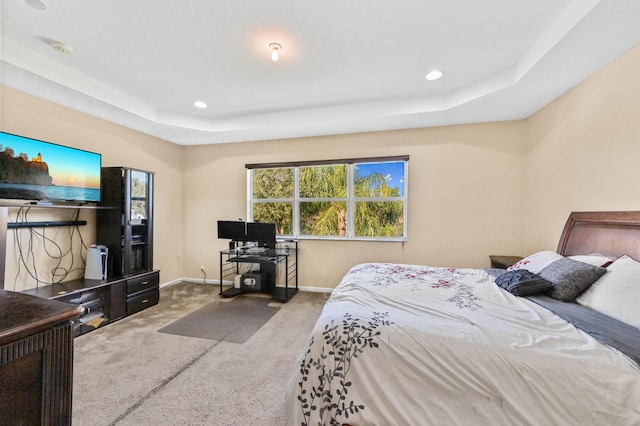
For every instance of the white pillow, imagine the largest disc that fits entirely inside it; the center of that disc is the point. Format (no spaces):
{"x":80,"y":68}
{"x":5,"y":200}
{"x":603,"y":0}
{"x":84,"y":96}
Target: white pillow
{"x":536,"y":262}
{"x":592,"y":259}
{"x":616,"y":293}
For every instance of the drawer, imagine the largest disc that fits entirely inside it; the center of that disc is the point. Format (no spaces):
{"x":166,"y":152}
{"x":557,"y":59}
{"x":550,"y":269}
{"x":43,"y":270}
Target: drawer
{"x":142,"y":301}
{"x":142,"y":283}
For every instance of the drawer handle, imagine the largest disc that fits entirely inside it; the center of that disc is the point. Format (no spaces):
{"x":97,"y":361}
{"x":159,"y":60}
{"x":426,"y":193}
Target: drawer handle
{"x":145,"y":283}
{"x":145,"y":301}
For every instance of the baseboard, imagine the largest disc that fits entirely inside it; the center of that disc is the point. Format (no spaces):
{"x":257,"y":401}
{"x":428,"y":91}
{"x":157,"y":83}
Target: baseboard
{"x":217,"y":282}
{"x":315,"y":289}
{"x":168,"y":283}
{"x":193,"y":280}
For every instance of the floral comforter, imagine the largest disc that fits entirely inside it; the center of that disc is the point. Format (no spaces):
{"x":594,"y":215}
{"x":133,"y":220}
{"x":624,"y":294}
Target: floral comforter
{"x":418,"y":345}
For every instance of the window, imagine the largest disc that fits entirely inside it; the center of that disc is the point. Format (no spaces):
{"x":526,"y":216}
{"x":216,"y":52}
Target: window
{"x":338,"y":199}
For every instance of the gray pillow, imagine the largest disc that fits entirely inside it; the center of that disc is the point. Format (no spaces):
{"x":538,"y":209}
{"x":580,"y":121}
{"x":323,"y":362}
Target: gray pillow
{"x":570,"y":277}
{"x":521,"y":282}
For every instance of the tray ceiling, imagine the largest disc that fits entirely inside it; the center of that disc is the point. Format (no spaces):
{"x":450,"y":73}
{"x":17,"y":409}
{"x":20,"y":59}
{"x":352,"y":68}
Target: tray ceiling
{"x":344,"y":67}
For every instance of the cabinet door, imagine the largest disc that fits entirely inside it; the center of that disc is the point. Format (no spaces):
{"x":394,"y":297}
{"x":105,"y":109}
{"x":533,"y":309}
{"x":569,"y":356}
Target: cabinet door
{"x":140,"y":221}
{"x":118,"y":305}
{"x":139,"y":189}
{"x":127,"y":226}
{"x":110,"y":223}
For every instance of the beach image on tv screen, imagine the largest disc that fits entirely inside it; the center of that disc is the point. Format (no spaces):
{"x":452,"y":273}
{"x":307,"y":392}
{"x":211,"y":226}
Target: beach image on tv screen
{"x":33,"y":169}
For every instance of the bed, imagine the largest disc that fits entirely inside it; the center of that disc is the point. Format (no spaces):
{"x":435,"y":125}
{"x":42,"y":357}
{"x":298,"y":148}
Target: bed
{"x":417,"y":345}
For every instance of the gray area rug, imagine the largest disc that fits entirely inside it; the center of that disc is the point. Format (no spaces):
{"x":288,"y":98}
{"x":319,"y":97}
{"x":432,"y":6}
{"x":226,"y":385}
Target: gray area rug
{"x":235,"y":321}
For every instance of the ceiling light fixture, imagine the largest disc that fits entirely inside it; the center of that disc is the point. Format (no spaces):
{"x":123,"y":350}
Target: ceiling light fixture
{"x":434,"y":75}
{"x":200,"y":104}
{"x":275,"y":51}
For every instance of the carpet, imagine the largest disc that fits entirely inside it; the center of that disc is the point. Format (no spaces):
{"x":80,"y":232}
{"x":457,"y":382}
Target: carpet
{"x":128,"y":374}
{"x":234,"y":321}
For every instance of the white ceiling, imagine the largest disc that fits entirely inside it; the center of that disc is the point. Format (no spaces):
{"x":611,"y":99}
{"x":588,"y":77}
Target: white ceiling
{"x":345,"y":66}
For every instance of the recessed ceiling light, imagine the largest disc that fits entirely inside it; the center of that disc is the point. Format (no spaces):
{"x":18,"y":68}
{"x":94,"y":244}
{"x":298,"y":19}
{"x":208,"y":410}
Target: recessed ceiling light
{"x":434,"y":75}
{"x":200,"y":104}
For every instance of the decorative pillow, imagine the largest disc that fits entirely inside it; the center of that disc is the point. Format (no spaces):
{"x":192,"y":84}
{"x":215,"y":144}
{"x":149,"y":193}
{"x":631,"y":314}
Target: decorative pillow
{"x":592,"y":259}
{"x":570,"y":277}
{"x":536,"y":262}
{"x":617,"y":293}
{"x":523,"y":283}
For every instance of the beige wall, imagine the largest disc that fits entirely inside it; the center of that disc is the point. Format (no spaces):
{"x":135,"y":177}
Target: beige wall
{"x":583,"y":152}
{"x":464,"y":189}
{"x":474,"y":190}
{"x":29,"y":116}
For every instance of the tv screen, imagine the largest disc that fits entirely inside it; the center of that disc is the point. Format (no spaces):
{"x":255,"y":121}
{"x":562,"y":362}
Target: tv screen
{"x":31,"y":169}
{"x":231,"y":230}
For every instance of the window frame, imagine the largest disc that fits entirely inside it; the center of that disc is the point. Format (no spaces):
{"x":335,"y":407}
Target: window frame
{"x":350,"y":200}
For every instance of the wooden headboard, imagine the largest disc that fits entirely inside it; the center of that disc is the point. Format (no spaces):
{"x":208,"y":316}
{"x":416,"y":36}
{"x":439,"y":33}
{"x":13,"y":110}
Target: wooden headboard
{"x":609,"y":233}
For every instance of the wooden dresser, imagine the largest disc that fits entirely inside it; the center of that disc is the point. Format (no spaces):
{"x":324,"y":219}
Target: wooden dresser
{"x":36,"y":360}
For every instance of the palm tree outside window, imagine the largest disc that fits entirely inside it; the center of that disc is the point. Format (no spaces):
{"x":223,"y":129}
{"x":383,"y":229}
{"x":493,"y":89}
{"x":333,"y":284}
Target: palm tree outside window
{"x":336,"y":199}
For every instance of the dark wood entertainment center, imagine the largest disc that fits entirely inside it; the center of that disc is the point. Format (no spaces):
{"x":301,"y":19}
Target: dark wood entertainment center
{"x":37,"y":329}
{"x":125,"y":225}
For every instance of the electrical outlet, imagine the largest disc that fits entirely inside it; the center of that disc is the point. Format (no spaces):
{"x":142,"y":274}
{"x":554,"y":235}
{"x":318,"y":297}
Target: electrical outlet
{"x":202,"y":268}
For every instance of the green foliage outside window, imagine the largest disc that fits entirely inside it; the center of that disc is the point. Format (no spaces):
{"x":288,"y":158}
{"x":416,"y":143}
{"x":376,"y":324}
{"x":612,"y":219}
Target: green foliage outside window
{"x":273,"y":183}
{"x":279,"y":213}
{"x":323,"y":200}
{"x":139,"y":192}
{"x":269,"y":184}
{"x":326,"y":218}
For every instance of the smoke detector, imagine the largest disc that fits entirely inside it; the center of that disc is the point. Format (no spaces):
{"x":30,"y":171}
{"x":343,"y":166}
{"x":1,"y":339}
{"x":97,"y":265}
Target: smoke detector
{"x":60,"y":47}
{"x":35,"y":4}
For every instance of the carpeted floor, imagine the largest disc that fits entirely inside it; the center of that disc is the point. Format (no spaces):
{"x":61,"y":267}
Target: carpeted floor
{"x":129,"y":373}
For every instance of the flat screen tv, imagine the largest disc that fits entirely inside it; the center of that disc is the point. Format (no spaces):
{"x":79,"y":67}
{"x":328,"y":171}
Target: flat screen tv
{"x":36,"y":170}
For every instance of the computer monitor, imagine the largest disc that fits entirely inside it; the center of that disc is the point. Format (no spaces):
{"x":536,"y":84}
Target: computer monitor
{"x":262,"y":233}
{"x":232,"y":230}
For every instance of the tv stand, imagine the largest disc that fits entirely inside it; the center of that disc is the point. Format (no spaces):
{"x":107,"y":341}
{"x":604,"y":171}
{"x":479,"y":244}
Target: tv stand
{"x":104,"y":301}
{"x":237,"y":270}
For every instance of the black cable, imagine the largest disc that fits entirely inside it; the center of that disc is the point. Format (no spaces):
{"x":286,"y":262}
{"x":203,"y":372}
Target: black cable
{"x":21,"y":259}
{"x":82,"y":243}
{"x":57,"y":257}
{"x":58,"y":272}
{"x":55,"y":272}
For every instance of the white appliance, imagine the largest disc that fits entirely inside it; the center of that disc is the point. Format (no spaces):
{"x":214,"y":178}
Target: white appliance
{"x":96,"y":268}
